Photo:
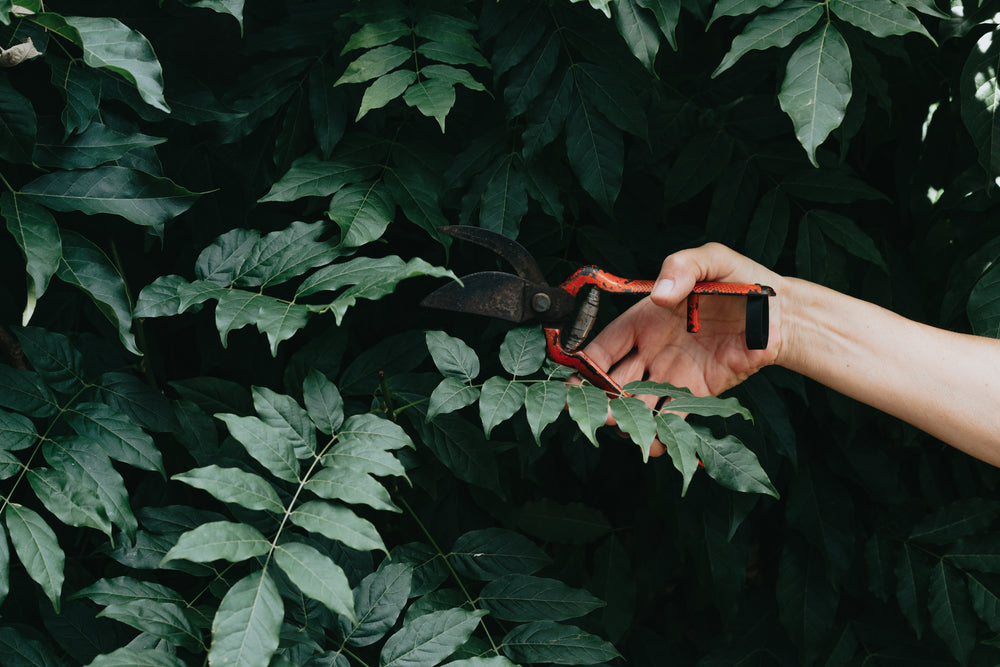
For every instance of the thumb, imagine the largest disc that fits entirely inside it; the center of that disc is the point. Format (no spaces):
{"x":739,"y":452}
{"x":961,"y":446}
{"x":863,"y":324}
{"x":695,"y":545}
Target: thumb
{"x":681,"y":270}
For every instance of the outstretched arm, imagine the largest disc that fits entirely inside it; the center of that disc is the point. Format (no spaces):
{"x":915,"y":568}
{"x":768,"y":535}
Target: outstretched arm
{"x":944,"y":383}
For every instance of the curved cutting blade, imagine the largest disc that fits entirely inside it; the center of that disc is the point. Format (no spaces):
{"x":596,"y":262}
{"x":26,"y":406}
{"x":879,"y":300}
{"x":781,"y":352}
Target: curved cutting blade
{"x":502,"y":295}
{"x":510,"y":250}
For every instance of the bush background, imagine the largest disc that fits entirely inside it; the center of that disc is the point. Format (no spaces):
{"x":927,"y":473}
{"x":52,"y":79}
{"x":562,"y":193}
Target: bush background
{"x":293,"y":138}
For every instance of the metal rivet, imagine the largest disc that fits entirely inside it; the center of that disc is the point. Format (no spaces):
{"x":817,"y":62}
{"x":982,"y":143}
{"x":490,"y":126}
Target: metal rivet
{"x":541,"y":302}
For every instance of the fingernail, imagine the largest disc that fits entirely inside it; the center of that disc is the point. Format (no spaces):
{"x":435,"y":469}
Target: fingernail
{"x":663,"y":288}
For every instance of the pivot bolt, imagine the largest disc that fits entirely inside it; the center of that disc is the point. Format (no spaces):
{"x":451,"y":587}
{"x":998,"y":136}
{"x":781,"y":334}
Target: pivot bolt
{"x":541,"y":302}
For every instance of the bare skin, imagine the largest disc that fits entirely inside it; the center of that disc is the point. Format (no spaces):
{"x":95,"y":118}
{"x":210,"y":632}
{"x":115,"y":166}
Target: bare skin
{"x":945,"y":383}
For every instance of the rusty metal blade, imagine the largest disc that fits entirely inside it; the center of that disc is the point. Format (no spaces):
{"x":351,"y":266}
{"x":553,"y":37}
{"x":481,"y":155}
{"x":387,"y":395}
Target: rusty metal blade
{"x":489,"y":293}
{"x":510,"y":250}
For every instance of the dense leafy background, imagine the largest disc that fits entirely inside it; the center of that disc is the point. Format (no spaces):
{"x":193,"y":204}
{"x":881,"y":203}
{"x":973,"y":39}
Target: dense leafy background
{"x":228,"y":434}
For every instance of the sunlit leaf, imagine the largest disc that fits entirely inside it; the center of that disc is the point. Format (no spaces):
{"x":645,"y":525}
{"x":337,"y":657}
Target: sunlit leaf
{"x":346,"y":485}
{"x":72,"y":503}
{"x":739,"y":7}
{"x":452,"y":356}
{"x":681,"y":443}
{"x":317,"y":576}
{"x":450,"y":395}
{"x":268,"y":445}
{"x":246,"y":627}
{"x":729,"y":462}
{"x":774,"y":28}
{"x":639,"y":30}
{"x":879,"y":17}
{"x":817,"y":87}
{"x":385,"y":89}
{"x":544,"y":401}
{"x":37,"y":548}
{"x":522,"y":351}
{"x":588,"y":407}
{"x":430,"y":638}
{"x":980,"y":100}
{"x":232,"y":485}
{"x":219,"y":540}
{"x":634,"y":418}
{"x":363,"y":211}
{"x":337,"y":523}
{"x":287,"y":416}
{"x":498,"y":401}
{"x":128,"y":657}
{"x":323,"y":401}
{"x":374,"y":63}
{"x":311,"y":176}
{"x":378,"y":601}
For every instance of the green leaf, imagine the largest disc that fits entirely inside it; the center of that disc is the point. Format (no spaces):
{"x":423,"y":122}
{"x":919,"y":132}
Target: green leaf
{"x":985,"y":595}
{"x":768,"y":228}
{"x":635,"y":419}
{"x":362,"y":456}
{"x":288,"y":417}
{"x":140,"y":198}
{"x":738,"y":8}
{"x":639,"y":30}
{"x":118,"y":437}
{"x":164,"y":620}
{"x":37,"y":235}
{"x":596,"y":154}
{"x":141,"y":402}
{"x":604,"y":89}
{"x":73,"y":504}
{"x":419,"y":196}
{"x":452,"y":53}
{"x":845,"y":233}
{"x":323,"y":401}
{"x":128,"y":657}
{"x":544,"y":401}
{"x":681,"y":443}
{"x":311,"y":176}
{"x":775,"y":28}
{"x":375,"y":34}
{"x":730,"y":463}
{"x":269,"y":446}
{"x":547,"y":641}
{"x":911,"y":581}
{"x":219,"y":540}
{"x":951,"y":616}
{"x":429,"y":639}
{"x":337,"y":523}
{"x":37,"y":548}
{"x":980,"y":101}
{"x":522,"y":351}
{"x":828,"y":185}
{"x":546,"y":117}
{"x":981,"y":551}
{"x":385,"y":89}
{"x":433,"y":98}
{"x":499,"y":399}
{"x":316,"y":576}
{"x":16,"y":431}
{"x":531,"y":77}
{"x":879,"y":17}
{"x":374,"y":431}
{"x":88,"y":466}
{"x":523,"y":598}
{"x":374,"y":63}
{"x":346,"y":485}
{"x":450,"y":395}
{"x":817,"y":87}
{"x":505,"y":200}
{"x":807,"y":602}
{"x":363,"y":212}
{"x":18,"y":125}
{"x":246,"y":627}
{"x":958,"y":519}
{"x":85,"y":266}
{"x":489,"y":553}
{"x":821,"y":509}
{"x":983,"y":307}
{"x":54,"y":358}
{"x":120,"y":590}
{"x":461,"y":447}
{"x":92,"y":147}
{"x":378,"y":601}
{"x":285,"y":254}
{"x":232,"y":485}
{"x":667,"y":14}
{"x":452,"y":356}
{"x":80,"y":86}
{"x":24,"y":391}
{"x":588,"y":407}
{"x":708,"y":406}
{"x":232,"y":8}
{"x":700,"y":162}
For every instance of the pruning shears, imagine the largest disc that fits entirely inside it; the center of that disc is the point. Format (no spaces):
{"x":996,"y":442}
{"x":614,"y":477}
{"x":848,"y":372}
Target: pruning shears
{"x":568,"y":311}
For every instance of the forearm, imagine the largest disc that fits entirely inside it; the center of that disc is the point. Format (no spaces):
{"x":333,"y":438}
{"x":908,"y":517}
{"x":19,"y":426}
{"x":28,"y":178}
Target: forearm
{"x":944,"y":383}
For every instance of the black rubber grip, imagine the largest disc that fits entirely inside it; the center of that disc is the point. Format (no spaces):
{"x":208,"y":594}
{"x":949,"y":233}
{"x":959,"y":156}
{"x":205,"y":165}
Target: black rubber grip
{"x":758,"y":323}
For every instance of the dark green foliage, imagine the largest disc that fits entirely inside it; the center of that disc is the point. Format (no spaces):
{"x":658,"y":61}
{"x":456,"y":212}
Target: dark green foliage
{"x":229,"y":435}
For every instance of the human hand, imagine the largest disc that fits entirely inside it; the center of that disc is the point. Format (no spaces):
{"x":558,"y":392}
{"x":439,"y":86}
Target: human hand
{"x":650,"y":341}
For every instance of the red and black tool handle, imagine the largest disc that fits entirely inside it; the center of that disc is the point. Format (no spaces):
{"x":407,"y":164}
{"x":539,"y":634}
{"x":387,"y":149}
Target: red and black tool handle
{"x":757,"y":310}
